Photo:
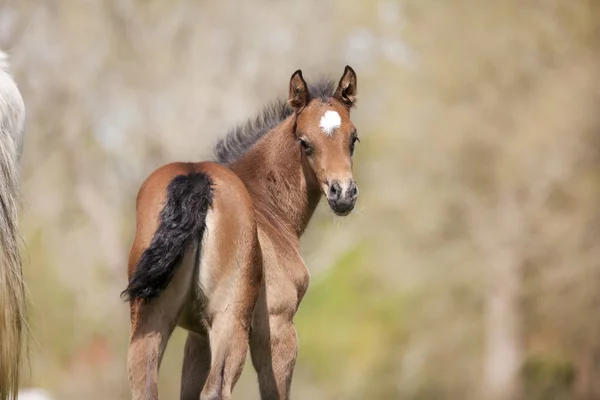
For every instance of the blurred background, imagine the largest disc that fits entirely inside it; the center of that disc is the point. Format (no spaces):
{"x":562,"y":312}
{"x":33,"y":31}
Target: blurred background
{"x":470,"y":270}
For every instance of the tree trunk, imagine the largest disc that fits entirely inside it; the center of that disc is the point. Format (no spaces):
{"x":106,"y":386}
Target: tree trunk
{"x":503,"y":350}
{"x":503,"y":347}
{"x":587,"y":374}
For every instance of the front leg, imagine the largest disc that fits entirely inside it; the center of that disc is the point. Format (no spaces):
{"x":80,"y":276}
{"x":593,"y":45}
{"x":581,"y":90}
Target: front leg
{"x":274,"y":347}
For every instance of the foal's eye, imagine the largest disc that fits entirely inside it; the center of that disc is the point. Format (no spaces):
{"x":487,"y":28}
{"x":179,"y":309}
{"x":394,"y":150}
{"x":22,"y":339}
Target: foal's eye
{"x":353,"y":143}
{"x":306,"y":148}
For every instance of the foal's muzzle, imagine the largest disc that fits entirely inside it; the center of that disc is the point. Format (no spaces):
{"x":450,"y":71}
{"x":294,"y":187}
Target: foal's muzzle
{"x":342,"y":196}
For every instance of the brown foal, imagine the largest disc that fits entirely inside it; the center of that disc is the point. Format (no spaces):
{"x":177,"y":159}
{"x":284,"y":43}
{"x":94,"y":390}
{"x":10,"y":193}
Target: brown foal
{"x":217,"y":251}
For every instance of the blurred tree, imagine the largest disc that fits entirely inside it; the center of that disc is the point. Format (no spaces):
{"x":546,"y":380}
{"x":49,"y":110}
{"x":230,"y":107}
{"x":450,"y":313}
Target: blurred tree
{"x":471,"y":266}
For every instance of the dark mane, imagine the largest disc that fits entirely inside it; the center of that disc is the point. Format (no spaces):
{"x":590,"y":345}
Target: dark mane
{"x":242,"y":137}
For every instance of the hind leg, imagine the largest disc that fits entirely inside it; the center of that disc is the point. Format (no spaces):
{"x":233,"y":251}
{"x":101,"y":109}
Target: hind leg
{"x":213,"y":364}
{"x":149,"y":338}
{"x":152,"y":324}
{"x":229,"y":279}
{"x":229,"y":316}
{"x":229,"y":346}
{"x":196,"y":366}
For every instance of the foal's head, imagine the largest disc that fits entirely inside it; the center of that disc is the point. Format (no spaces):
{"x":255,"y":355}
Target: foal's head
{"x":326,"y":137}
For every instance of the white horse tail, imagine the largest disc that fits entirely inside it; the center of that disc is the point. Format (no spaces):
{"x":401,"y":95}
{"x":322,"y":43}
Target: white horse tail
{"x":13,"y":322}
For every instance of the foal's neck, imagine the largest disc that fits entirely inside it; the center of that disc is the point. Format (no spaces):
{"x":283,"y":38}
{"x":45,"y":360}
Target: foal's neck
{"x":282,"y":185}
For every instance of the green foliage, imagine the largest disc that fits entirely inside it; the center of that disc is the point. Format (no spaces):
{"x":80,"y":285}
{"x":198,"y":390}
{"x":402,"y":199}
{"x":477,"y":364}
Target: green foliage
{"x":347,"y":326}
{"x":51,"y":312}
{"x":548,"y":378}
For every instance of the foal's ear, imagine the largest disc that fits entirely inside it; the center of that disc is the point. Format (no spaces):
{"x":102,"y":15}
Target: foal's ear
{"x":298,"y":96}
{"x":346,"y":90}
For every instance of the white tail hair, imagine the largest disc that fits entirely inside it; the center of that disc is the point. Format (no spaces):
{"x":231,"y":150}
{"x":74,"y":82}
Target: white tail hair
{"x":13,"y":320}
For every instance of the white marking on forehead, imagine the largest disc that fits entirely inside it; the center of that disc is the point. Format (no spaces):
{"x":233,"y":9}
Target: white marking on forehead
{"x":330,"y":121}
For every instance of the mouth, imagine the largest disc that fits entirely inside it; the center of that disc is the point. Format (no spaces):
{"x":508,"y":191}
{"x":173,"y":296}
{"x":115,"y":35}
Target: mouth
{"x":341,"y":211}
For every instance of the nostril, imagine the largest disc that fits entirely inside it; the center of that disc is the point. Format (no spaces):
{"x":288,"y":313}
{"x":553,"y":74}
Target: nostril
{"x":334,"y":191}
{"x":352,"y":190}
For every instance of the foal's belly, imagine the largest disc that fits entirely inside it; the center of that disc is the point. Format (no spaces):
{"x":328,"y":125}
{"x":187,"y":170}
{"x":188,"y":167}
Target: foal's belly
{"x":192,"y":318}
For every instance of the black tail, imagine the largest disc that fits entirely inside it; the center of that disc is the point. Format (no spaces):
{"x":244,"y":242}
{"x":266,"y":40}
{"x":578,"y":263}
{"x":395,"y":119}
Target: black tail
{"x":189,"y":197}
